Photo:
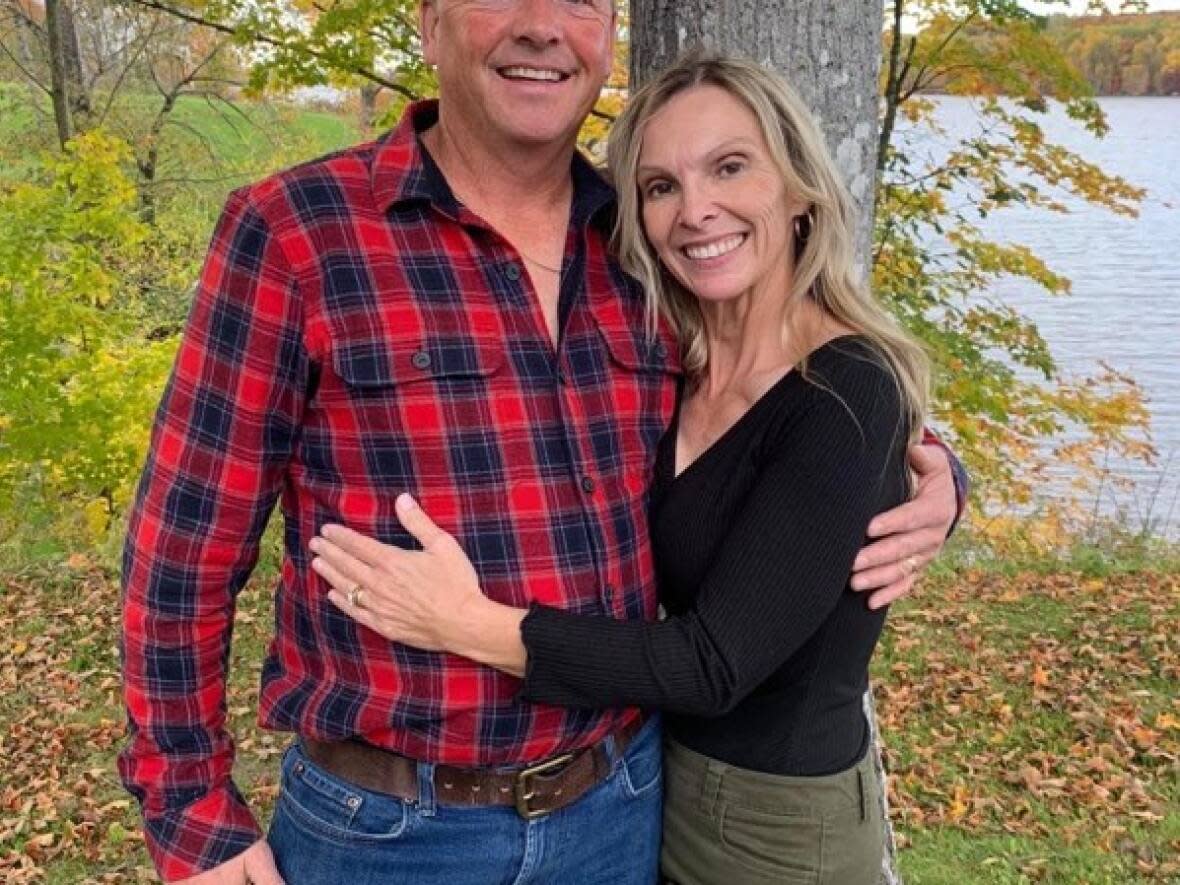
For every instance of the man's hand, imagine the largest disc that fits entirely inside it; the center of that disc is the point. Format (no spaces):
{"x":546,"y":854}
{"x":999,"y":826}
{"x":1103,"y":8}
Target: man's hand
{"x":254,"y":866}
{"x":910,"y":535}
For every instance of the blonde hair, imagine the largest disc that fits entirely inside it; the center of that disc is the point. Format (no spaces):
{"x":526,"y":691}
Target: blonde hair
{"x":824,"y":268}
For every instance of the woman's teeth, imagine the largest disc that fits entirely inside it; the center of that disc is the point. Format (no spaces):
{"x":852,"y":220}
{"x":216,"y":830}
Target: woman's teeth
{"x":714,"y":249}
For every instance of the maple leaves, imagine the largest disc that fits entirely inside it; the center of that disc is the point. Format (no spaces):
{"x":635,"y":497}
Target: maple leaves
{"x":1038,"y":706}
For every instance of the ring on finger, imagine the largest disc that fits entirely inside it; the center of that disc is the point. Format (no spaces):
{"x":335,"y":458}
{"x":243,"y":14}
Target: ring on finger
{"x":354,"y":596}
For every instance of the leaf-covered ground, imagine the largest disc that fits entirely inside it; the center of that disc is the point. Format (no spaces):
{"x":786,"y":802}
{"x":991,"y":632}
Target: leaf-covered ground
{"x":1033,"y":725}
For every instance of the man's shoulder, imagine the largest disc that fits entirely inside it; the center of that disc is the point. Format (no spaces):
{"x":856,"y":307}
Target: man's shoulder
{"x":334,"y":184}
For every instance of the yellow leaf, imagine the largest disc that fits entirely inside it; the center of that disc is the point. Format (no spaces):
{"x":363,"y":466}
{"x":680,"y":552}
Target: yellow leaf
{"x":1167,"y":720}
{"x":960,"y":803}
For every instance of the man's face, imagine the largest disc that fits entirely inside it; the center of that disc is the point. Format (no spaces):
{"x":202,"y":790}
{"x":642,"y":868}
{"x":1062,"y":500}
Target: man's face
{"x":525,"y":72}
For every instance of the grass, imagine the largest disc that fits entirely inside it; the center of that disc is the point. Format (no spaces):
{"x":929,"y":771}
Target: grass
{"x":1032,"y":726}
{"x":207,"y":148}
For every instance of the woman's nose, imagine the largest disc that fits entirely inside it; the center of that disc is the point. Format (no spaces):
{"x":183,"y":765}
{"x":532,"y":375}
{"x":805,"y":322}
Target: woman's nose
{"x":697,"y":206}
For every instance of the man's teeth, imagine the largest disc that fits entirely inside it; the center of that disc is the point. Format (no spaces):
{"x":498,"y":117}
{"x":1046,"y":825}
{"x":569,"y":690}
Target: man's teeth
{"x":532,"y":74}
{"x":714,"y":250}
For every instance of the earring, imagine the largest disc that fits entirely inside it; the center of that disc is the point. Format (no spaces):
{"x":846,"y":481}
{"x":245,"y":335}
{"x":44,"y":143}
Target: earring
{"x":803,"y":225}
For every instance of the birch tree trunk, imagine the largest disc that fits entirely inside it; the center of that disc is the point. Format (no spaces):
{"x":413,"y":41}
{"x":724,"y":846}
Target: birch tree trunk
{"x":831,"y":54}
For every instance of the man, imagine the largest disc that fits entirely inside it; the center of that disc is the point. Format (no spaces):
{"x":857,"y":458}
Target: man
{"x":436,"y":313}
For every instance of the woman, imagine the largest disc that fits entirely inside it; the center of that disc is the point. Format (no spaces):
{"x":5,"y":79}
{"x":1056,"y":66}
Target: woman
{"x":790,"y":434}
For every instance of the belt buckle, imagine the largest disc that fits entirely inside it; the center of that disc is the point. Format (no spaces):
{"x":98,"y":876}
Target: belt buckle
{"x":522,"y":790}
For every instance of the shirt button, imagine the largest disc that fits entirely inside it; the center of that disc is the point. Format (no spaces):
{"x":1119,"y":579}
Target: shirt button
{"x":420,"y":360}
{"x":587,"y":484}
{"x":512,"y":271}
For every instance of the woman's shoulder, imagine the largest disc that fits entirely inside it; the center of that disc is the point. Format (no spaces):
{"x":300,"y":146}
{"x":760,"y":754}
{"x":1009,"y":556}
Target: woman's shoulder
{"x":851,"y":361}
{"x":850,"y":375}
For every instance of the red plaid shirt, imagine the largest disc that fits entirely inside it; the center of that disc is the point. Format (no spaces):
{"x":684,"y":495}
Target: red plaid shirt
{"x":358,"y":333}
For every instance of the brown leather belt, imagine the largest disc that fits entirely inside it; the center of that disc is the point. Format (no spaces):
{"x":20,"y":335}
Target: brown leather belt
{"x":534,"y":790}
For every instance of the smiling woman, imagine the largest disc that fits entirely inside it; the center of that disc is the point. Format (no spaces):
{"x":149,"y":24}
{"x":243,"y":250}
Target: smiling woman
{"x":715,"y":209}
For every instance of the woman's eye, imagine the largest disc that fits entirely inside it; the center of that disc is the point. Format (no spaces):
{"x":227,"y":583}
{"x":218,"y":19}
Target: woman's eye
{"x":657,"y":189}
{"x":730,"y":168}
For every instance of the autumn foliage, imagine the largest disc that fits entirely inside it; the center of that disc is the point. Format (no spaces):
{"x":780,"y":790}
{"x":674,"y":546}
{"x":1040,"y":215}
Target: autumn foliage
{"x":1025,"y":713}
{"x":1031,"y":716}
{"x":998,"y":389}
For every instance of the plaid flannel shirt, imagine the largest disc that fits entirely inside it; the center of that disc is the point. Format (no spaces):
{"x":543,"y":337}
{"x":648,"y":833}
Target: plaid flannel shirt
{"x":357,"y":333}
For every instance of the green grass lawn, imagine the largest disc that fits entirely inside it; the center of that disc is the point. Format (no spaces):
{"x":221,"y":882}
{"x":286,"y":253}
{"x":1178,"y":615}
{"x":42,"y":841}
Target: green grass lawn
{"x":207,"y":147}
{"x":1032,"y":724}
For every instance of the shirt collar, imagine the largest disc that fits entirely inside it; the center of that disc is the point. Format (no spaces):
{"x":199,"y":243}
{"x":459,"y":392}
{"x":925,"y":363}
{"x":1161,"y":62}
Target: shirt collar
{"x":404,"y":172}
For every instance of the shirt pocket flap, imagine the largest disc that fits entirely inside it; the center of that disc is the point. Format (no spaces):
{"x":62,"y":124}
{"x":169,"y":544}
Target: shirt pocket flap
{"x":367,"y":364}
{"x":630,"y":346}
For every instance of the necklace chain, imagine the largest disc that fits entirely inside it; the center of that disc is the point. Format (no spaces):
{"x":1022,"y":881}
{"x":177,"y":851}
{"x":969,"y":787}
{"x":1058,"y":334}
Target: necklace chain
{"x":540,"y":264}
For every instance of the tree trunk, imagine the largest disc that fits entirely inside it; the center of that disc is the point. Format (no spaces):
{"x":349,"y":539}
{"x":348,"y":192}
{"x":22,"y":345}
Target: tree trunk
{"x":368,"y":106}
{"x":71,"y":49}
{"x":57,"y":72}
{"x":831,"y":53}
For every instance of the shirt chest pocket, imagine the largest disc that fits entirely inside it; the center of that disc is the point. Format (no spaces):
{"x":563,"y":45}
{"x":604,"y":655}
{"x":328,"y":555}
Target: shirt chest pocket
{"x":414,"y":405}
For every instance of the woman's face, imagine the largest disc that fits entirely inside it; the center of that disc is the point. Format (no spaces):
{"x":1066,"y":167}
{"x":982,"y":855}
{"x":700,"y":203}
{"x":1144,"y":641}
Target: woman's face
{"x":714,"y":204}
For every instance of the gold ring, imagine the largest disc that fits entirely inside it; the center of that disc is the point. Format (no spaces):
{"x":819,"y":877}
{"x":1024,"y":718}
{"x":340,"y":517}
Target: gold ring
{"x":354,"y":596}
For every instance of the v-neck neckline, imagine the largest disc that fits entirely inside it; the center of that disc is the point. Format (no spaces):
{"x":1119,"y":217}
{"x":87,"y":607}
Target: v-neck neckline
{"x":769,"y":395}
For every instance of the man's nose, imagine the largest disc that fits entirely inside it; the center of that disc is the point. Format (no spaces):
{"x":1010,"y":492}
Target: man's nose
{"x":537,"y":21}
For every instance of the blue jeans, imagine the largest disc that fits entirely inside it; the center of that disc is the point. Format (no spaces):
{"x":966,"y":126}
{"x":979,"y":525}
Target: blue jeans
{"x":328,"y":832}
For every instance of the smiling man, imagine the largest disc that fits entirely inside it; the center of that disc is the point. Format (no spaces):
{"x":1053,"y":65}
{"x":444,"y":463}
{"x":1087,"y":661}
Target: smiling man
{"x":435,"y":312}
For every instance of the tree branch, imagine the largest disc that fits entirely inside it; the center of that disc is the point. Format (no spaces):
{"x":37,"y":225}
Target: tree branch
{"x":255,"y":37}
{"x":25,"y":71}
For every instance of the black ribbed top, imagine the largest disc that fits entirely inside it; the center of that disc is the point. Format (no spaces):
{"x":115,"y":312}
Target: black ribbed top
{"x":762,"y":660}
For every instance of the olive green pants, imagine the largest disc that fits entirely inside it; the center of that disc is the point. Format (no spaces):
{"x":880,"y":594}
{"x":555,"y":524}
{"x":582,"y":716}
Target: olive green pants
{"x":731,"y":826}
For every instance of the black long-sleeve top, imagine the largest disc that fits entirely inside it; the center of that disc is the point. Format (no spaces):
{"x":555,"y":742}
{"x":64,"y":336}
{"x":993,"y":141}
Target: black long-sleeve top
{"x":762,"y":661}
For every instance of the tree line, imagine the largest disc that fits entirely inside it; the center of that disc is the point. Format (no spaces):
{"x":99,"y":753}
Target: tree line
{"x":1133,"y":54}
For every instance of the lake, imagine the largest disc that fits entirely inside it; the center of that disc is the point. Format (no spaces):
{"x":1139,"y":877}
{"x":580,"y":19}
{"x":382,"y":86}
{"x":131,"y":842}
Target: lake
{"x":1125,"y":304}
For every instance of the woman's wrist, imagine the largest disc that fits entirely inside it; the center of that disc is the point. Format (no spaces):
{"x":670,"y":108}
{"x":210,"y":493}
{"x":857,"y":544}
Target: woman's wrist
{"x":489,"y":632}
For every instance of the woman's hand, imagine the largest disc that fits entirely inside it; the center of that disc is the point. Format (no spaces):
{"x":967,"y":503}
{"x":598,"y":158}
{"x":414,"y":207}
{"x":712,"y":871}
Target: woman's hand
{"x":908,"y":537}
{"x":419,"y":598}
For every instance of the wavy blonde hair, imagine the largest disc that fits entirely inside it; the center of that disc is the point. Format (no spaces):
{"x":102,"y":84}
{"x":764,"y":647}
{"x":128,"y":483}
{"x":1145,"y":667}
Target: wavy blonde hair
{"x":824,"y":264}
